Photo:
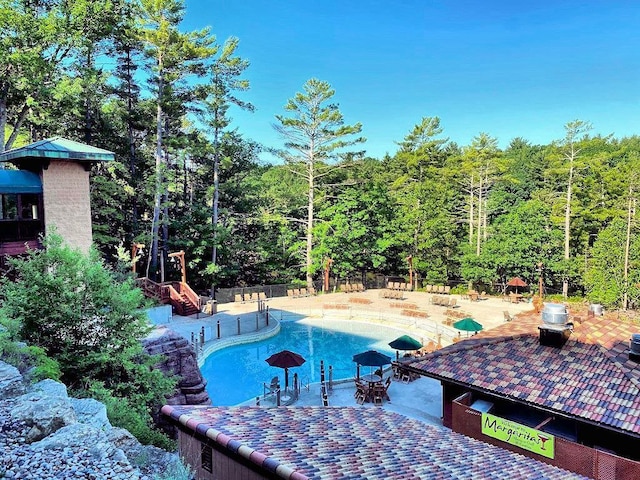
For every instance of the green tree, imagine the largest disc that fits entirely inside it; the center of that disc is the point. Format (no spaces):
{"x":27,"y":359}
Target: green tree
{"x":315,"y":135}
{"x":69,"y":304}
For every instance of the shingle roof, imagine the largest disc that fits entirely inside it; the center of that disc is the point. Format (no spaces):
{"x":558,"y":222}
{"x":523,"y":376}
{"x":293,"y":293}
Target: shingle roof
{"x":58,"y":148}
{"x":355,"y":443}
{"x":590,"y":377}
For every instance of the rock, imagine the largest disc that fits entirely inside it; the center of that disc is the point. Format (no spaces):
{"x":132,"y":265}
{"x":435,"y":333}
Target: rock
{"x":11,"y":382}
{"x":50,"y":388}
{"x":44,"y":414}
{"x":91,"y":412}
{"x":85,"y":436}
{"x":180,"y":360}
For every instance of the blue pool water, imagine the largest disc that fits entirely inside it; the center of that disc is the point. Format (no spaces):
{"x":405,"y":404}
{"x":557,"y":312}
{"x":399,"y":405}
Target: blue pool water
{"x":236,"y":374}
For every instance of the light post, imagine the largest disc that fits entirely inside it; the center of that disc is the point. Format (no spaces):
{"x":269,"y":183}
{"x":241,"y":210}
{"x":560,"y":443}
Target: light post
{"x":180,"y":255}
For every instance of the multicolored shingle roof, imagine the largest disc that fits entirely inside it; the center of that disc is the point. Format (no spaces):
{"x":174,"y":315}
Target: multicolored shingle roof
{"x":301,"y":443}
{"x":590,"y":377}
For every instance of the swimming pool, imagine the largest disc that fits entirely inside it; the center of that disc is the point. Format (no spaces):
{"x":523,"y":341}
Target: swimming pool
{"x":236,"y":374}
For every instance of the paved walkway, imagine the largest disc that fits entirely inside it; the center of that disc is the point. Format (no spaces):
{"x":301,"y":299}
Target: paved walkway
{"x":241,"y":323}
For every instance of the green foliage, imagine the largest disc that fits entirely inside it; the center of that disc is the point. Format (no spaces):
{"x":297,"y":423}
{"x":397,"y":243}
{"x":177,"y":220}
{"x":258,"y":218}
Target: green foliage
{"x":69,"y":305}
{"x":131,"y":415}
{"x":28,"y":358}
{"x":176,"y":471}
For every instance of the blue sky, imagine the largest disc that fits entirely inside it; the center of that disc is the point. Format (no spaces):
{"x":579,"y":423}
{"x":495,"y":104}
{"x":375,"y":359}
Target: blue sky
{"x":507,"y":68}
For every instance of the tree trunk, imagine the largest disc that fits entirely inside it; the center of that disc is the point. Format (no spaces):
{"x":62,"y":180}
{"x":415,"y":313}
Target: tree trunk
{"x":310,"y":219}
{"x":631,"y":208}
{"x":478,"y":229}
{"x":471,"y":216}
{"x":567,"y":225}
{"x":153,"y":257}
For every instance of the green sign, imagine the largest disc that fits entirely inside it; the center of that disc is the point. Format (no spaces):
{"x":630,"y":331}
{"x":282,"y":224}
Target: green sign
{"x":519,"y":435}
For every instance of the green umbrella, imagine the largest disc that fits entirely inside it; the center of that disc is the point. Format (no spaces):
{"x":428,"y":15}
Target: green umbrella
{"x":468,"y":325}
{"x":405,"y":342}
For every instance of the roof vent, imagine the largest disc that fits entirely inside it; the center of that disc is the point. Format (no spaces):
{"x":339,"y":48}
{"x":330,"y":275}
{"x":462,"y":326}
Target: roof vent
{"x":634,"y":347}
{"x":555,"y":329}
{"x":554,"y":314}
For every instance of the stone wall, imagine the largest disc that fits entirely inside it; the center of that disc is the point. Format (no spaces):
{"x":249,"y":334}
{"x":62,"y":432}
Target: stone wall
{"x":66,"y":202}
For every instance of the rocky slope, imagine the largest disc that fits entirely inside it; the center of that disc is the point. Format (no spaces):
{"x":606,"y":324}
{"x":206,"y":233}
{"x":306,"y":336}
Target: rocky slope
{"x":45,"y":434}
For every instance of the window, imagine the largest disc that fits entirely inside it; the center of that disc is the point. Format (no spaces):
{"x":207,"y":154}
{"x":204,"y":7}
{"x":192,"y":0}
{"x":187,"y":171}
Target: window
{"x":206,"y":458}
{"x":9,"y":206}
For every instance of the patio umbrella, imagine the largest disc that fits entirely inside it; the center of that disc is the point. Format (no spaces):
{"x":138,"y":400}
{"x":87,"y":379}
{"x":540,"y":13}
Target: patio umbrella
{"x":516,"y":282}
{"x":285,"y":359}
{"x":468,"y":325}
{"x":405,"y":342}
{"x":372,"y":358}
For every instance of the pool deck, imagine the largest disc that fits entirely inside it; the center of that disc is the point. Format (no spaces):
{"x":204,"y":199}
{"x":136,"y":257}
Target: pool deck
{"x":367,"y":307}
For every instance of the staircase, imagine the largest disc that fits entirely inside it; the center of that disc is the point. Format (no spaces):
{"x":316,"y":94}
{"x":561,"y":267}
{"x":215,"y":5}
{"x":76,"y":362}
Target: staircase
{"x":182,"y":298}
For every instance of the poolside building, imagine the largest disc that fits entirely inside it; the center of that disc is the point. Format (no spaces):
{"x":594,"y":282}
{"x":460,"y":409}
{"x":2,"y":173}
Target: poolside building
{"x":573,"y":403}
{"x":49,"y":188}
{"x":368,"y":443}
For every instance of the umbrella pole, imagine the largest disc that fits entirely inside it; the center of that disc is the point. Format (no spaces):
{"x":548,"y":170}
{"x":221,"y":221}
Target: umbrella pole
{"x":357,"y":371}
{"x":286,"y":379}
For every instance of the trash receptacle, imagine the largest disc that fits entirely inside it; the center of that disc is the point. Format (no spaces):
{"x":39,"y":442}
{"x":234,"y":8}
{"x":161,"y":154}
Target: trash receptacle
{"x":212,"y":307}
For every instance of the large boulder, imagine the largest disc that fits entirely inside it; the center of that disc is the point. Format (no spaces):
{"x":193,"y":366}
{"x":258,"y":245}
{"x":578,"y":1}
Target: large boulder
{"x":11,"y":381}
{"x":180,"y":360}
{"x":42,"y":412}
{"x":91,"y":412}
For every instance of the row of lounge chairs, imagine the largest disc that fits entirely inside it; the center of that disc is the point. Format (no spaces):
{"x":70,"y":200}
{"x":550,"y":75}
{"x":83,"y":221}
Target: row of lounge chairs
{"x":393,"y":294}
{"x":403,"y":287}
{"x":449,"y":302}
{"x":352,"y":287}
{"x":250,"y":297}
{"x":441,"y":289}
{"x":301,"y":292}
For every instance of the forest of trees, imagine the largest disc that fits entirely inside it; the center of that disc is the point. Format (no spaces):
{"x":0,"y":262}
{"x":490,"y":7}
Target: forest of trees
{"x":123,"y":75}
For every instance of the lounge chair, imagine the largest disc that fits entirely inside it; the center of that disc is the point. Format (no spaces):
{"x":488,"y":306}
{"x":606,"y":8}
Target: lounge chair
{"x":247,"y":297}
{"x":237,"y":298}
{"x":290,"y":293}
{"x":447,"y":289}
{"x":303,"y":292}
{"x":440,"y":289}
{"x":452,"y":302}
{"x":254,"y":297}
{"x":312,"y":291}
{"x":296,"y":292}
{"x":507,"y":316}
{"x":262,"y":296}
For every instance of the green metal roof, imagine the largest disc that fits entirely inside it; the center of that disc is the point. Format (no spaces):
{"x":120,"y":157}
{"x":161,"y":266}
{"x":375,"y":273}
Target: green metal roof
{"x":60,"y":149}
{"x":19,"y":181}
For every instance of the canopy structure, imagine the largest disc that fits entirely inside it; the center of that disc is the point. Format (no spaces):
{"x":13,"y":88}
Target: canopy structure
{"x":19,"y":181}
{"x":468,"y":325}
{"x":57,"y":148}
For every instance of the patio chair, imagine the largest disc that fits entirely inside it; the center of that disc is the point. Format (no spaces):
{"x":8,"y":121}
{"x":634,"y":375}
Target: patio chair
{"x":262,"y":296}
{"x":440,"y":288}
{"x":378,"y":394}
{"x":237,"y":298}
{"x":362,"y":289}
{"x":312,"y":291}
{"x":447,"y":289}
{"x":290,"y":293}
{"x":247,"y":297}
{"x":452,"y":302}
{"x":271,"y":388}
{"x":254,"y":297}
{"x":507,"y":316}
{"x":296,"y":292}
{"x":303,"y":292}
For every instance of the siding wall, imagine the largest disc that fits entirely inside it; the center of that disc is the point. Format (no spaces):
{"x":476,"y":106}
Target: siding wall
{"x":66,"y":202}
{"x":224,"y":467}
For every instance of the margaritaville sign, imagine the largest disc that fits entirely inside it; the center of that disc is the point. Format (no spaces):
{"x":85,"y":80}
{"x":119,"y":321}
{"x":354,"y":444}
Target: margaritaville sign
{"x":519,"y":435}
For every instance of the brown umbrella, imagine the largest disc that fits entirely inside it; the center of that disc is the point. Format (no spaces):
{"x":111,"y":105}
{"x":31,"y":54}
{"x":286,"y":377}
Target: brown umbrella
{"x":516,"y":282}
{"x":285,"y":359}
